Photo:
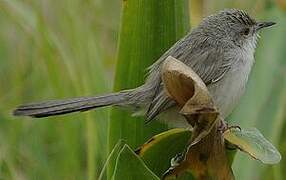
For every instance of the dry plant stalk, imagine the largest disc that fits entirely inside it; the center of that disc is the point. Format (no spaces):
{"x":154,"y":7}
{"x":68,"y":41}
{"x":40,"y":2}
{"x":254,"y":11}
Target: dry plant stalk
{"x":206,"y":157}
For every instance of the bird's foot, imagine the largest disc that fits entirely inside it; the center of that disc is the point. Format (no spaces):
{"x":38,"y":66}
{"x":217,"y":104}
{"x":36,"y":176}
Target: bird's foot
{"x":224,"y":126}
{"x":175,"y":163}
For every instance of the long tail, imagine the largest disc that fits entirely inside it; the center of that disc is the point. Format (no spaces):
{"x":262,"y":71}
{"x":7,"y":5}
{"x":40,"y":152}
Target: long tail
{"x":57,"y":107}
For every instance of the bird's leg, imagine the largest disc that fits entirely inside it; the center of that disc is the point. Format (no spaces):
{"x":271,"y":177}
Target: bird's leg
{"x":223,"y":126}
{"x":180,"y":157}
{"x":176,"y":162}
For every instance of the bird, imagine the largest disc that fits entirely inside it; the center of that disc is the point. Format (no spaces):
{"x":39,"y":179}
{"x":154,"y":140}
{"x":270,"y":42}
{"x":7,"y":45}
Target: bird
{"x":220,"y":50}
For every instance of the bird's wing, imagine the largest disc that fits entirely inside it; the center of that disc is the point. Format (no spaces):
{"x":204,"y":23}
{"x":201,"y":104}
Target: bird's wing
{"x":207,"y":61}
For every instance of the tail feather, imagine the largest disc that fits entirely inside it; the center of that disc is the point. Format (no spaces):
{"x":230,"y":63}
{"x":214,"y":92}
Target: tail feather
{"x":51,"y":108}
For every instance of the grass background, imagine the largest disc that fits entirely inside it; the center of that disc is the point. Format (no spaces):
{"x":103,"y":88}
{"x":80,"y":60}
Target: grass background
{"x":67,"y":48}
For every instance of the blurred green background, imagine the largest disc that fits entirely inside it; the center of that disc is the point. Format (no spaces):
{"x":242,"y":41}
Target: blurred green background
{"x":57,"y":49}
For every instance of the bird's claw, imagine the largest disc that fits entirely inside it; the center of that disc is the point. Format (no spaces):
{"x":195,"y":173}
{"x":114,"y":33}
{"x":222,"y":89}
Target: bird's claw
{"x":224,"y":126}
{"x":175,"y":162}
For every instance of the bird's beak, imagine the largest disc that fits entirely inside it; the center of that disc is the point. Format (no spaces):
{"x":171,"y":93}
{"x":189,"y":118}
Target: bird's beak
{"x":261,"y":25}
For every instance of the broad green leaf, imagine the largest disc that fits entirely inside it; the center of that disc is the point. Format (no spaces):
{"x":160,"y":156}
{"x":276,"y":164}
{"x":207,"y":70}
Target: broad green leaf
{"x":252,"y":142}
{"x":129,"y":166}
{"x":160,"y":149}
{"x":148,"y":29}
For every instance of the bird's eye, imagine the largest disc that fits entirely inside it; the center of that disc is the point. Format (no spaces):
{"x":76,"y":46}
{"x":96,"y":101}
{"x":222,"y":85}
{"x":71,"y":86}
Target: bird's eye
{"x":246,"y":31}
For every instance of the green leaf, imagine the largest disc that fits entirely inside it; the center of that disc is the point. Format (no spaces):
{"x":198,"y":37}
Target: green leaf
{"x":252,"y":142}
{"x":160,"y":149}
{"x":130,"y":166}
{"x":148,"y":29}
{"x":112,"y":156}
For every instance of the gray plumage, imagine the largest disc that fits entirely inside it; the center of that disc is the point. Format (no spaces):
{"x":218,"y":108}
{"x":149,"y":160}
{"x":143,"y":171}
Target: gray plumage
{"x":220,"y":50}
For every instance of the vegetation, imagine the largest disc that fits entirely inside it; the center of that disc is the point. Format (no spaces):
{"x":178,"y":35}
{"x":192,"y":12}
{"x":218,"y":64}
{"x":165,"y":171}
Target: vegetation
{"x":139,"y":47}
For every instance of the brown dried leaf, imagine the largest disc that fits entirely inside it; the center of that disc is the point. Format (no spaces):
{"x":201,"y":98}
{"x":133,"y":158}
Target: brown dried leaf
{"x":205,"y":160}
{"x":180,"y":81}
{"x":206,"y":156}
{"x":189,"y":91}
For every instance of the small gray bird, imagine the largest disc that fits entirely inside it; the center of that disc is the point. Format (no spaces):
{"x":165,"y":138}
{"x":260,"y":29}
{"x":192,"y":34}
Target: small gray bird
{"x":220,"y":50}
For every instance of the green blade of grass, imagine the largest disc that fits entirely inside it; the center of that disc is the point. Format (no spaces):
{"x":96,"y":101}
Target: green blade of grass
{"x":52,"y":50}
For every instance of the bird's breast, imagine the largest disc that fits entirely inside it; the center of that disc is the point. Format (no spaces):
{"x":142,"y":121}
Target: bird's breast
{"x":228,"y":91}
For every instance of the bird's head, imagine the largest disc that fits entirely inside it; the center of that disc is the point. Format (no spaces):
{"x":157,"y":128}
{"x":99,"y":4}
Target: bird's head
{"x":233,"y":26}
